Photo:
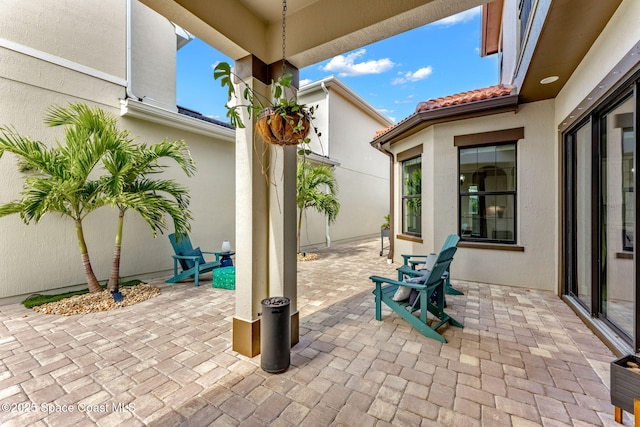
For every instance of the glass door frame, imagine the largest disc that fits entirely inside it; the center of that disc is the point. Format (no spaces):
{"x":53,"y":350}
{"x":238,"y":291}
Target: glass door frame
{"x":569,"y":274}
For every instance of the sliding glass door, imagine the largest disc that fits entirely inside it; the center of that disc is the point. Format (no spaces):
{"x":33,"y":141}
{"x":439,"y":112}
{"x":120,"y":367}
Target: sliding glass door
{"x":600,"y":214}
{"x":617,"y":142}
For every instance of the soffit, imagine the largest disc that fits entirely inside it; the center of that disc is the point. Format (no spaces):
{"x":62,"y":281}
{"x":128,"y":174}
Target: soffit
{"x":571,"y":28}
{"x":490,"y":28}
{"x":316,"y":29}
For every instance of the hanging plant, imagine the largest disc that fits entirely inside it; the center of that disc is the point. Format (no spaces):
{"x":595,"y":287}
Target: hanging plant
{"x":279,"y":120}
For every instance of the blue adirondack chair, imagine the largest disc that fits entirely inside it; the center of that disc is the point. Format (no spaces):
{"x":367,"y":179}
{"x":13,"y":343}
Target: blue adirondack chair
{"x":191,"y":261}
{"x":412,"y":262}
{"x":432,"y":284}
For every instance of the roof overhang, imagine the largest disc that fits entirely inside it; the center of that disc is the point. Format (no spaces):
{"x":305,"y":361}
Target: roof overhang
{"x":315,"y":29}
{"x":140,"y":110}
{"x":570,"y":29}
{"x":490,"y":27}
{"x":422,"y":120}
{"x":333,"y":83}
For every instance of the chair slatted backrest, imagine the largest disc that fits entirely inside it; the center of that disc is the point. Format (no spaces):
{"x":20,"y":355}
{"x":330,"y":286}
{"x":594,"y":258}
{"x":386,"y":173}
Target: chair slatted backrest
{"x":450,"y":242}
{"x":182,"y":246}
{"x":442,"y":263}
{"x":181,"y":243}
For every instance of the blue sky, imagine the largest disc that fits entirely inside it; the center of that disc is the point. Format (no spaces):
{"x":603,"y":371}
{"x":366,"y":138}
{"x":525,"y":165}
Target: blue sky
{"x":393,"y":75}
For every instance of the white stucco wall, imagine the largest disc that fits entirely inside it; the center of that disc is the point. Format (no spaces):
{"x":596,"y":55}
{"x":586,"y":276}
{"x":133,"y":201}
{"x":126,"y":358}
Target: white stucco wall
{"x":536,"y":266}
{"x":362,"y":175}
{"x":44,"y":257}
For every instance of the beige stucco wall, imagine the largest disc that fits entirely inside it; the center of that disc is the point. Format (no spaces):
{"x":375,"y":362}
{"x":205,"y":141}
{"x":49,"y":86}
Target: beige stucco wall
{"x":619,"y":36}
{"x":45,"y":257}
{"x":88,"y":32}
{"x":536,"y":266}
{"x":153,"y":40}
{"x":362,"y":175}
{"x":616,"y":40}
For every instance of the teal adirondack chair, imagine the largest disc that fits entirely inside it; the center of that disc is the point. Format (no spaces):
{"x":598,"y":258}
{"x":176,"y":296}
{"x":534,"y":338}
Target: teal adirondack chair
{"x":191,"y":261}
{"x":412,"y":262}
{"x":431,"y":285}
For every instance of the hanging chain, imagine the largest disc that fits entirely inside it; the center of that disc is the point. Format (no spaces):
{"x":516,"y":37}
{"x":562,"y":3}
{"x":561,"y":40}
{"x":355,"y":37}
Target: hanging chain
{"x":284,"y":30}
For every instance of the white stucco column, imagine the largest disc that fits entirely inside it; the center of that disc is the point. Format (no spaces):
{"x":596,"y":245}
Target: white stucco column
{"x":265,"y":221}
{"x":282,"y":229}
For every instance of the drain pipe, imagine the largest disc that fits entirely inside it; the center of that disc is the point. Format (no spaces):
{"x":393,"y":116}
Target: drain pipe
{"x":380,"y":148}
{"x":129,"y":90}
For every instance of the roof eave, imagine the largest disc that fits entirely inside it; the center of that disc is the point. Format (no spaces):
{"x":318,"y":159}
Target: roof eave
{"x":424,"y":119}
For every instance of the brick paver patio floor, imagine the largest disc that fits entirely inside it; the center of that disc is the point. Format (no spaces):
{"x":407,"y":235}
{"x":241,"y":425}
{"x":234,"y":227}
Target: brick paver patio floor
{"x":522,"y":359}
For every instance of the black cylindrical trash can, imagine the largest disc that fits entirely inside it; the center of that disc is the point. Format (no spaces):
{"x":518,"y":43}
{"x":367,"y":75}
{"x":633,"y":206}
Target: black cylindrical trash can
{"x":275,"y":334}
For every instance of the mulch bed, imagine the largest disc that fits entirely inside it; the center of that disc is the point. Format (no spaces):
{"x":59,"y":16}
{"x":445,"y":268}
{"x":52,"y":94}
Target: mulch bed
{"x":99,"y":301}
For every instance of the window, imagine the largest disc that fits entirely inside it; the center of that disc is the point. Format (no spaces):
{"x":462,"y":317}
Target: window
{"x":487,"y":196}
{"x":412,"y":196}
{"x":524,"y":11}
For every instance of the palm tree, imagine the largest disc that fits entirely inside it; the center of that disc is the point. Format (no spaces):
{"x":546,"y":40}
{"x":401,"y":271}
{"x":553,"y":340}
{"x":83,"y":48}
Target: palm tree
{"x":310,"y":182}
{"x":129,"y":187}
{"x":60,"y":178}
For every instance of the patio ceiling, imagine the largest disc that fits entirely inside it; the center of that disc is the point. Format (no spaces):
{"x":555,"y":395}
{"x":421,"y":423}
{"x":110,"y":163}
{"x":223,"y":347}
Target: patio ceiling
{"x":571,"y":29}
{"x":315,"y":29}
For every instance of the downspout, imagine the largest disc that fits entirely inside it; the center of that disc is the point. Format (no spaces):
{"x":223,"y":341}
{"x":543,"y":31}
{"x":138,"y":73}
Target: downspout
{"x":391,"y":198}
{"x":327,"y":232}
{"x":129,"y":90}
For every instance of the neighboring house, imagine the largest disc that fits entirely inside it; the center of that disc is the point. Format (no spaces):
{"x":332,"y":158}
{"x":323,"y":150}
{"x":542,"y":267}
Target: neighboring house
{"x":119,"y":56}
{"x":536,"y":174}
{"x":345,"y":122}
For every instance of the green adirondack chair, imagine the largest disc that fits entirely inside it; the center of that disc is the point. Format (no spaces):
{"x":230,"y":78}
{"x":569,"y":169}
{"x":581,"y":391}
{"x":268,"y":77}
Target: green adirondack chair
{"x":191,"y":261}
{"x":433,"y":285}
{"x":411,"y":263}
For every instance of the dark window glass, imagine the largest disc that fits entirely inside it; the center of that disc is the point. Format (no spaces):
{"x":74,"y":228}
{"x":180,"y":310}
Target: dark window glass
{"x":488,"y":193}
{"x":412,"y":196}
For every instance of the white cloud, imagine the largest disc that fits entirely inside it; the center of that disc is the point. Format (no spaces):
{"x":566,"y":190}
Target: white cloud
{"x":465,"y":16}
{"x":304,"y":82}
{"x":413,"y":76}
{"x":347,"y":65}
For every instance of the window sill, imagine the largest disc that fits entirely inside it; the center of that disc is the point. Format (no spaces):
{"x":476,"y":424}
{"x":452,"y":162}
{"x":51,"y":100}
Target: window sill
{"x":409,"y":238}
{"x":493,"y":246}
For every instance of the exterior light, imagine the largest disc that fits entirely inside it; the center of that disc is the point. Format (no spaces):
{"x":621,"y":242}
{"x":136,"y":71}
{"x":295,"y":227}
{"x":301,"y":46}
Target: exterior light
{"x":549,"y":79}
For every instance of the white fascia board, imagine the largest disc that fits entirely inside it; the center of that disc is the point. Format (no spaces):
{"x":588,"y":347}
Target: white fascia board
{"x":131,"y":108}
{"x":320,"y":159}
{"x":348,"y":93}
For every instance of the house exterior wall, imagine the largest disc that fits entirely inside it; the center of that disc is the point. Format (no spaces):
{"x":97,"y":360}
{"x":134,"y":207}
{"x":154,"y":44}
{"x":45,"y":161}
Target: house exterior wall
{"x":619,"y":36}
{"x":536,"y":266}
{"x":362,"y":175}
{"x":616,"y":40}
{"x":153,"y":40}
{"x":86,"y":62}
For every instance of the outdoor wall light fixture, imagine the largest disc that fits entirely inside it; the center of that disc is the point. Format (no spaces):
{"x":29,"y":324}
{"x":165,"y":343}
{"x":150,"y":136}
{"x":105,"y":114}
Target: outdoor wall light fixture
{"x":549,"y":79}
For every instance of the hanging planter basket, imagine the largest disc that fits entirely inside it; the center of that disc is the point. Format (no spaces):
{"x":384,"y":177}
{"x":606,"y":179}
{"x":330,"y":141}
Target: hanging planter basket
{"x":283,"y":129}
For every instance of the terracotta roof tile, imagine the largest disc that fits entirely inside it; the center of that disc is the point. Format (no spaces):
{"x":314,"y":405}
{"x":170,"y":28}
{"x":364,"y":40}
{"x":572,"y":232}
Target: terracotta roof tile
{"x":465,"y":97}
{"x":482,"y":94}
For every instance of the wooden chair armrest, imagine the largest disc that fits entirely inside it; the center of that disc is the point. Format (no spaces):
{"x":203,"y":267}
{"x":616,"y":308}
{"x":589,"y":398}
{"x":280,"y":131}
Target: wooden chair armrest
{"x":217,"y":254}
{"x":413,"y":259}
{"x":410,"y":271}
{"x":381,"y":280}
